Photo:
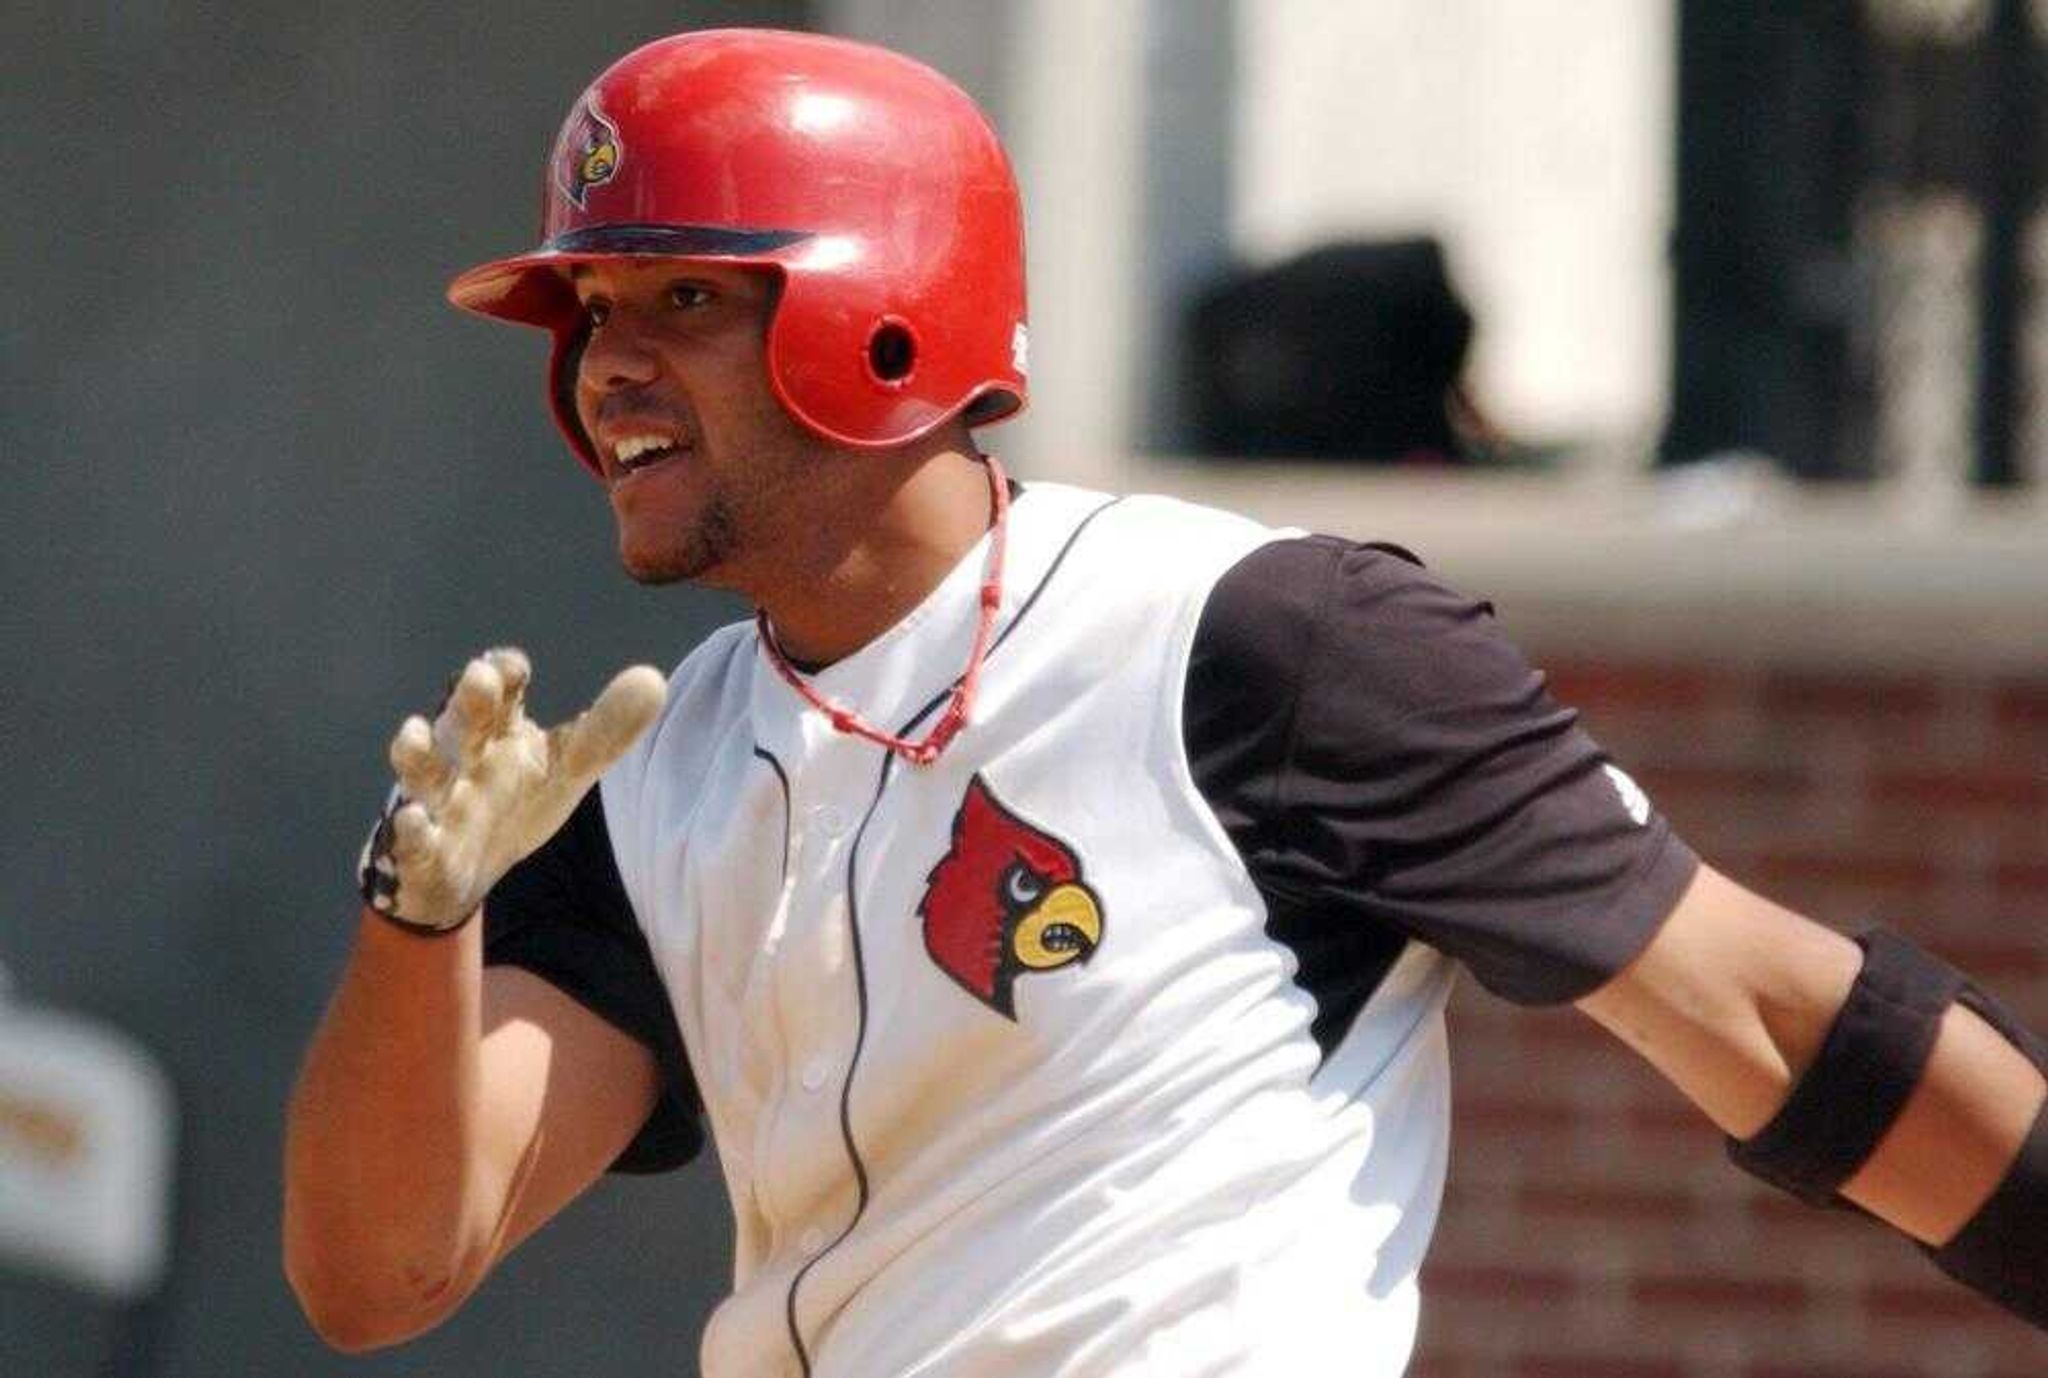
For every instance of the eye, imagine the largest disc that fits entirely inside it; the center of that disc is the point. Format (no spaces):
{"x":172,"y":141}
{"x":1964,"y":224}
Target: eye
{"x":595,"y":311}
{"x":688,"y":295}
{"x":1022,"y":885}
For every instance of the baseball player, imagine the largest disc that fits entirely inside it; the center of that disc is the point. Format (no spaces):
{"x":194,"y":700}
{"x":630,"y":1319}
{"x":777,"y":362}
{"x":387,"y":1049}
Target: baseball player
{"x":1047,"y":903}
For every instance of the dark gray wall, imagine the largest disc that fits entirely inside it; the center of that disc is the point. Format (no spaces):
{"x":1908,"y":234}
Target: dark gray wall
{"x":263,"y":491}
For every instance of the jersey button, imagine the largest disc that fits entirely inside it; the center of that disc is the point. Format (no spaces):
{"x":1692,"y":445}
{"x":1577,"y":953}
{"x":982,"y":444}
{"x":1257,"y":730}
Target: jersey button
{"x":815,"y":1072}
{"x":812,"y":1241}
{"x":829,"y":819}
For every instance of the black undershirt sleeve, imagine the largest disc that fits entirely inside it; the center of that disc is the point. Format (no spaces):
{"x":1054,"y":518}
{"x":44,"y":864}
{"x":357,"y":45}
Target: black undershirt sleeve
{"x":1390,"y":767}
{"x":562,"y":914}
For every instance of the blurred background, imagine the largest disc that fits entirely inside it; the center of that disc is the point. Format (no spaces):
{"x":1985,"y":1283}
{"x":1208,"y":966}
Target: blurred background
{"x":1708,"y":338}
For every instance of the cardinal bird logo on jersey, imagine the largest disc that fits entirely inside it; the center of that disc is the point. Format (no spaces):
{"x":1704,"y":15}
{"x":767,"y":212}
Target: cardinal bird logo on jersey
{"x":1007,"y":899}
{"x":589,"y":152}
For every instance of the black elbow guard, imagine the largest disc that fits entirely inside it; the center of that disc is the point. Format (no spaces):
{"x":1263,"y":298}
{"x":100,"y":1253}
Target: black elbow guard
{"x":1843,"y":1105}
{"x":1869,"y":1063}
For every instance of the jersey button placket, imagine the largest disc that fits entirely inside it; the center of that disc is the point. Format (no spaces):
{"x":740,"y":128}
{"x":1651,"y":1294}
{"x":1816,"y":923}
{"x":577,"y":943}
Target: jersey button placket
{"x":816,"y":1005}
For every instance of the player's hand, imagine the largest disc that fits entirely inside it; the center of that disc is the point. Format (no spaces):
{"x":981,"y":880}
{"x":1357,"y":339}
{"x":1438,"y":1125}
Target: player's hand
{"x":481,"y":786}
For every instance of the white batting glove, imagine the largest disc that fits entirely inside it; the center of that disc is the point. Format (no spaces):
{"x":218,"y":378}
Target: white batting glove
{"x":482,"y":785}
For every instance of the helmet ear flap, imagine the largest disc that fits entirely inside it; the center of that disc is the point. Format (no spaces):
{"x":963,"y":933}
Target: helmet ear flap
{"x":850,"y":367}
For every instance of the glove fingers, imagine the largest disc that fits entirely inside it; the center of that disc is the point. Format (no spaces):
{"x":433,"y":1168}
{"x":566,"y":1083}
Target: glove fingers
{"x":514,"y":670}
{"x":583,"y":747}
{"x":473,"y":714}
{"x":480,"y":786}
{"x":422,"y":771}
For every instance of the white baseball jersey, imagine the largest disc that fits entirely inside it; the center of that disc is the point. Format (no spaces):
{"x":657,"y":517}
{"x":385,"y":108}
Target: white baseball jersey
{"x":1111,"y":1043}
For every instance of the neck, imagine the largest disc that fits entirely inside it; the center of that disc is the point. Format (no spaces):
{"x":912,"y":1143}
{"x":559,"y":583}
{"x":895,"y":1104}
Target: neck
{"x":894,"y":528}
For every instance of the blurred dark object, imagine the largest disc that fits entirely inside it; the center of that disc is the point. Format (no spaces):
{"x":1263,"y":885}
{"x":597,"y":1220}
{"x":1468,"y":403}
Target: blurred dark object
{"x":1855,"y":179}
{"x":1349,"y":351}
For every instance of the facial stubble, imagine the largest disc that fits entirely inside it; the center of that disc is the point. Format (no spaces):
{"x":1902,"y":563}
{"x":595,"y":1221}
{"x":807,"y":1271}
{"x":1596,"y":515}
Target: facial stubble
{"x":739,"y":513}
{"x":708,"y":542}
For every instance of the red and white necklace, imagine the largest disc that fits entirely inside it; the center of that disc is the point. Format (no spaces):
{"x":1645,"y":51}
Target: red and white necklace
{"x":961,"y":700}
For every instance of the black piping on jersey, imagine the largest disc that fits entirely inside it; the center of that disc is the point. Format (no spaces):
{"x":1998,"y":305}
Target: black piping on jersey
{"x":860,"y":973}
{"x":781,"y":778}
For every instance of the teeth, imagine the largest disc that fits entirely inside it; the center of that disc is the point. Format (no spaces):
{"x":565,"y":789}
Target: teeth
{"x":634,"y":446}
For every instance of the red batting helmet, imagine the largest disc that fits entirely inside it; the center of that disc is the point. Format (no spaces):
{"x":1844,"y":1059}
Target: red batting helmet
{"x":872,"y":185}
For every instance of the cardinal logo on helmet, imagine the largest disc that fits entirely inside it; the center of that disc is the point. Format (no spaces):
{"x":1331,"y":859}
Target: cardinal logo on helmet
{"x":589,"y":152}
{"x":1007,"y":900}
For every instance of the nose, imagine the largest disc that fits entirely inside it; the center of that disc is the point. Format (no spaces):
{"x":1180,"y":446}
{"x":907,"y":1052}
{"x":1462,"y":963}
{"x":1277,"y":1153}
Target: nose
{"x":616,"y":356}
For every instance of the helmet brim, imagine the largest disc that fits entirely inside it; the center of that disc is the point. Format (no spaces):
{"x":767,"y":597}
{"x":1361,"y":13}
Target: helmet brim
{"x":534,"y":288}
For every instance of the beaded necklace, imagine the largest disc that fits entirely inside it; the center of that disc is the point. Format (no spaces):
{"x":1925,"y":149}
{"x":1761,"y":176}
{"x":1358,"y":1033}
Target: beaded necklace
{"x":961,"y":700}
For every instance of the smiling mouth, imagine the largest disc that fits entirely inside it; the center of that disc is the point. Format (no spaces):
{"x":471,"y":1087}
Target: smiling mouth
{"x":637,"y":454}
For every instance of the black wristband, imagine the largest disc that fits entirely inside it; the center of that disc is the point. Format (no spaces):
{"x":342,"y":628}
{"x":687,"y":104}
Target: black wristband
{"x":1869,"y":1063}
{"x":2003,"y":1251}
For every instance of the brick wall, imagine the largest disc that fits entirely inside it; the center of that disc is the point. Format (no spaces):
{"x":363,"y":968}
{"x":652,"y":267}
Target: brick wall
{"x":1592,"y":1227}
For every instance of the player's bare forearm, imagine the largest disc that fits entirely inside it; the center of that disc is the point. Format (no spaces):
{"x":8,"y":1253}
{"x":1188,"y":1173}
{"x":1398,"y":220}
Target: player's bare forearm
{"x":441,"y":1118}
{"x":386,"y":1199}
{"x":1732,"y":1001}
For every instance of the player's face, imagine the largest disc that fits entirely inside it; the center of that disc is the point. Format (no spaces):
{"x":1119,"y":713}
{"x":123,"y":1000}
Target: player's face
{"x":704,"y":466}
